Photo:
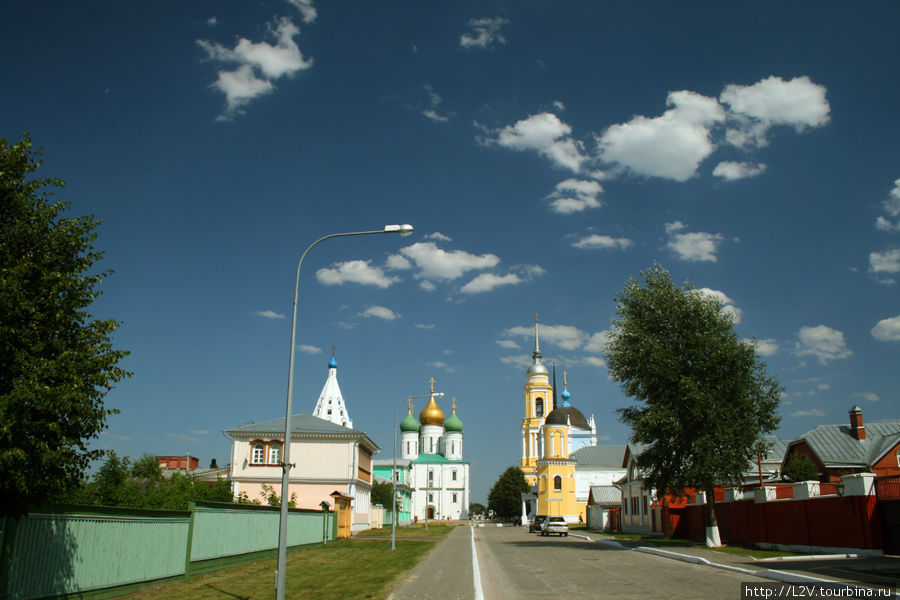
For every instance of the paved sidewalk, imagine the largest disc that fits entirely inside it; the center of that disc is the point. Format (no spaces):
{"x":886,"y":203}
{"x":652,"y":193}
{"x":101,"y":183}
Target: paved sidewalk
{"x":445,"y":574}
{"x":840,"y":568}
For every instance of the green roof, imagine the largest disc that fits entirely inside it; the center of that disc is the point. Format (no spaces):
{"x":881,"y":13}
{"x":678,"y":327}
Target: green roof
{"x":409,"y":423}
{"x":453,"y":424}
{"x":435,"y":458}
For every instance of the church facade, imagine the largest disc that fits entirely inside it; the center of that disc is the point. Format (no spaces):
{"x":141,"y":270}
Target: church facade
{"x":438,"y":476}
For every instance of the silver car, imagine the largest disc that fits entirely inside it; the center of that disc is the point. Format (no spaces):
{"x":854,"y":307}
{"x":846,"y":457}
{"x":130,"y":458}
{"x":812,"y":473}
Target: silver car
{"x":555,"y":525}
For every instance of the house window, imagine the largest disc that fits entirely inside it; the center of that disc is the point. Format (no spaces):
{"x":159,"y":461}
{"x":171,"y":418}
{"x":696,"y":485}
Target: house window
{"x":259,"y":454}
{"x":275,"y":454}
{"x":557,"y":484}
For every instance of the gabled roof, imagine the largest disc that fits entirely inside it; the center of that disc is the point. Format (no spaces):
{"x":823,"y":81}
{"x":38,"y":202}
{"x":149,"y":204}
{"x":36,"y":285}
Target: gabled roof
{"x":835,"y":445}
{"x":602,"y":456}
{"x":605,"y":495}
{"x":302,"y":425}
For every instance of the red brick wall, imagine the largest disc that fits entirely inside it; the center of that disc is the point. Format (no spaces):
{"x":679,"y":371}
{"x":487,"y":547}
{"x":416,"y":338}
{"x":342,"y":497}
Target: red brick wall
{"x":888,"y":464}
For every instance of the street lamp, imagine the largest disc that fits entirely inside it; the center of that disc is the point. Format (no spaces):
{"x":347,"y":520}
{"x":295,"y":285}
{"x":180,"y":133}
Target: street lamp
{"x":403,"y":230}
{"x":394,"y":466}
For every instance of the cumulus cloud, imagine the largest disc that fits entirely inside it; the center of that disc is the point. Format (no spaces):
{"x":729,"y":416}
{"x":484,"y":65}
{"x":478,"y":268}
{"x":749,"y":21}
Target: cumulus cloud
{"x":434,"y":100}
{"x":602,"y":242}
{"x":597,"y":342}
{"x":575,"y":195}
{"x":670,"y":146}
{"x":483,"y":33}
{"x":566,"y":337}
{"x":268,"y":314}
{"x":823,"y":342}
{"x":258,"y":65}
{"x":694,"y":247}
{"x":887,"y":330}
{"x":885,"y":262}
{"x":766,"y":347}
{"x":754,"y":109}
{"x":380,"y":312}
{"x":595,"y":361}
{"x":487,"y":282}
{"x":891,"y":205}
{"x":730,"y":170}
{"x":307,"y":349}
{"x":437,"y":235}
{"x":307,"y":10}
{"x":813,"y":412}
{"x":867,"y":396}
{"x":548,"y":136}
{"x":727,"y":303}
{"x":508,"y":344}
{"x":355,"y":271}
{"x":434,"y":263}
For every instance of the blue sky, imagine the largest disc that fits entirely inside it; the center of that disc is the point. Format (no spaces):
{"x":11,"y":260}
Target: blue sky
{"x":545,"y":153}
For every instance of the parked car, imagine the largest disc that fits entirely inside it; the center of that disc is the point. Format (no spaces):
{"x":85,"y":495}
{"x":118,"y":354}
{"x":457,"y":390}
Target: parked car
{"x":555,"y":525}
{"x":535,"y":525}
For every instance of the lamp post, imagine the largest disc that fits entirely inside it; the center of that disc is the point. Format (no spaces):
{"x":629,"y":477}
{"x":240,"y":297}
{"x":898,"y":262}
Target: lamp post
{"x":394,"y":466}
{"x":403,"y":230}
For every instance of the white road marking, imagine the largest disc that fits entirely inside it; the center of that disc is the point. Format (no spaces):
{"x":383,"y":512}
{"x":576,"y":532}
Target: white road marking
{"x":476,"y":574}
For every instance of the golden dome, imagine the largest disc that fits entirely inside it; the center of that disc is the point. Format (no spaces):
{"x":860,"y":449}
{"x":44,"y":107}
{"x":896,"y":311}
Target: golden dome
{"x":431,"y":414}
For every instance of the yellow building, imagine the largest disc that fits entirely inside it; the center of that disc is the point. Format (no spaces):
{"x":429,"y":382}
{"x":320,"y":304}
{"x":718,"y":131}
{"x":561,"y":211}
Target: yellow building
{"x":538,"y":403}
{"x":555,"y":471}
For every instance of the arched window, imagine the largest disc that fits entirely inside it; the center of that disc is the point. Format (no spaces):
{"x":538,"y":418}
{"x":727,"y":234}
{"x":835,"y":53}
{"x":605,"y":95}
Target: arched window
{"x":539,"y":407}
{"x":453,"y":447}
{"x":557,"y":484}
{"x":259,"y":454}
{"x":430,"y":477}
{"x":274,"y":454}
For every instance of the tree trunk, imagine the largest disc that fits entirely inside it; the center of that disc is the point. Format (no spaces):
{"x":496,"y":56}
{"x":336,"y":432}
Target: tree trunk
{"x":712,"y":525}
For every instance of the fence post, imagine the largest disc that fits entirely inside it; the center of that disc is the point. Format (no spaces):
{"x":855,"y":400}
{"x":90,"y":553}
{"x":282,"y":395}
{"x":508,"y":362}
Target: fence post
{"x":192,"y":506}
{"x":7,"y":543}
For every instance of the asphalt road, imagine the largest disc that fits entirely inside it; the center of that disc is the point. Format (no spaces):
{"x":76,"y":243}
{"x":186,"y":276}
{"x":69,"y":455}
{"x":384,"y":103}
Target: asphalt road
{"x":514,"y":564}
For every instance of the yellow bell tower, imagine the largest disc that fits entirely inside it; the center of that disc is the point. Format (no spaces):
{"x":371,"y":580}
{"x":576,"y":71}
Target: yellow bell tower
{"x":538,"y":403}
{"x":555,"y":471}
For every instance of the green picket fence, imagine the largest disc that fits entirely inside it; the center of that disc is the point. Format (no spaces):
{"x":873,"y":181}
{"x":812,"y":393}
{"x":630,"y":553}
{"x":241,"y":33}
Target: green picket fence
{"x":73,"y":550}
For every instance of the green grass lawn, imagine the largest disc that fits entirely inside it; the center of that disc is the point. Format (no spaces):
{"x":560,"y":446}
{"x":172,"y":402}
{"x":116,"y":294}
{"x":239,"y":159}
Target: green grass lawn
{"x":408,"y":532}
{"x":345,"y":569}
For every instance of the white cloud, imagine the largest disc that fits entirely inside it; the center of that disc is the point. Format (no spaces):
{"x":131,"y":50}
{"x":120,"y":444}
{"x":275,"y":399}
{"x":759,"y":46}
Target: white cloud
{"x":867,"y":396}
{"x":885,"y":262}
{"x":380,"y":312}
{"x":437,"y":235}
{"x":268,"y":314}
{"x":886,"y":225}
{"x":307,"y":349}
{"x":306,"y":8}
{"x":575,"y":195}
{"x":798,"y":103}
{"x":212,"y":21}
{"x":439,"y":364}
{"x":424,"y":326}
{"x":597,"y":342}
{"x":483,"y":33}
{"x":259,"y":63}
{"x":695,"y":247}
{"x":487,"y":282}
{"x":354,"y":271}
{"x":887,"y":330}
{"x":814,"y":412}
{"x":727,"y":303}
{"x":892,"y":203}
{"x":595,"y":361}
{"x":435,"y":116}
{"x":602,"y":242}
{"x":823,"y":342}
{"x":427,"y":285}
{"x":766,"y":347}
{"x":508,"y":344}
{"x":398,"y":263}
{"x":548,"y":136}
{"x":434,"y":263}
{"x":522,"y":361}
{"x":566,"y":337}
{"x":730,"y":171}
{"x":670,"y":146}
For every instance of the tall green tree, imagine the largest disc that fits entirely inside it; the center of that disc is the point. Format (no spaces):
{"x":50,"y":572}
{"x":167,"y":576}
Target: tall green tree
{"x":703,"y":398}
{"x":56,"y":361}
{"x":381,"y":494}
{"x":505,"y":497}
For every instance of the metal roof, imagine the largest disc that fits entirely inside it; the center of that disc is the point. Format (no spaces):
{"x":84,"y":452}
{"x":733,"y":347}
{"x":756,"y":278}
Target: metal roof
{"x":606,"y":495}
{"x":835,"y":445}
{"x":302,"y":424}
{"x":605,"y":456}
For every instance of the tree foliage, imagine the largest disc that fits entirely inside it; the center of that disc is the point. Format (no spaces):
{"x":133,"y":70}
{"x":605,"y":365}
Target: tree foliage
{"x":505,"y":497}
{"x":118,"y":482}
{"x":477,"y":508}
{"x":56,"y":361}
{"x":381,"y":494}
{"x":799,"y":467}
{"x":703,"y":396}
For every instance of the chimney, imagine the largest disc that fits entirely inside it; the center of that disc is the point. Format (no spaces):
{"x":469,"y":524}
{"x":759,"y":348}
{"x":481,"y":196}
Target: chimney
{"x":857,"y":429}
{"x":213,"y":465}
